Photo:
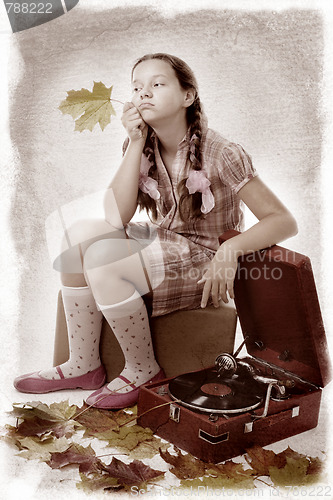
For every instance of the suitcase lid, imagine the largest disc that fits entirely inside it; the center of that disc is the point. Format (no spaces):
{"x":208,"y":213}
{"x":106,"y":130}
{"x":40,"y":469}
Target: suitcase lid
{"x":279,"y":312}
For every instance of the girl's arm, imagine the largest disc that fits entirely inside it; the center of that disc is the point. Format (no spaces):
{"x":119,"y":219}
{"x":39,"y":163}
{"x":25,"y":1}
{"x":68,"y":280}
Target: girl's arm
{"x":275,"y":224}
{"x":120,"y":200}
{"x":275,"y":221}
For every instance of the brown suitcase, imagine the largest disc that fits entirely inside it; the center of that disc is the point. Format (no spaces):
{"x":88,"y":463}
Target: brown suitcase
{"x":280,"y":317}
{"x":181,"y":342}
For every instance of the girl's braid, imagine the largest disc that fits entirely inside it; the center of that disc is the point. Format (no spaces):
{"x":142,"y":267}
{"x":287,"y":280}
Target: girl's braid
{"x":194,"y":154}
{"x":190,"y":204}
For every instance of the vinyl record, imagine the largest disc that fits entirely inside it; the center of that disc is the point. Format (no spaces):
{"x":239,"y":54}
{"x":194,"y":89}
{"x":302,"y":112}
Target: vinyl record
{"x":205,"y":391}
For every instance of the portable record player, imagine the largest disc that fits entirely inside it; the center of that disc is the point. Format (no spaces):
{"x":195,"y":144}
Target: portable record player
{"x":269,"y":395}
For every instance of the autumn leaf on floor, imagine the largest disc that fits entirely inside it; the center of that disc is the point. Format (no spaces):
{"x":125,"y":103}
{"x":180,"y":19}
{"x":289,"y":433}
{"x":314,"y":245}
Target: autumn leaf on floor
{"x":293,"y":473}
{"x":89,"y":108}
{"x":118,"y":475}
{"x":218,"y":483}
{"x":261,"y":460}
{"x":135,"y":472}
{"x":298,"y":469}
{"x":96,"y":482}
{"x":44,"y":421}
{"x":45,"y":428}
{"x":76,"y":454}
{"x":32,"y":448}
{"x":185,"y":466}
{"x":126,"y":438}
{"x":148,"y":448}
{"x":96,"y":421}
{"x":231,"y":470}
{"x":56,"y":411}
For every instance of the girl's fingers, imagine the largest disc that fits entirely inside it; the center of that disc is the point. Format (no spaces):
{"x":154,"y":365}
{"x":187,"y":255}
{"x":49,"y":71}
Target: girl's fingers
{"x":127,"y":106}
{"x":136,"y":123}
{"x":230,"y":288}
{"x":222,"y":292}
{"x":205,"y":293}
{"x":215,"y":293}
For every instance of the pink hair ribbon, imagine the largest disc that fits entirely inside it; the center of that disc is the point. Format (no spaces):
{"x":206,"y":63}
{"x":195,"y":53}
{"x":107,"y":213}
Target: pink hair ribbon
{"x":147,"y":184}
{"x":197,"y":182}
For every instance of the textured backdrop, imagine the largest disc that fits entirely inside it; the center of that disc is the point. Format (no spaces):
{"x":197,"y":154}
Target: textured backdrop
{"x":260,"y":75}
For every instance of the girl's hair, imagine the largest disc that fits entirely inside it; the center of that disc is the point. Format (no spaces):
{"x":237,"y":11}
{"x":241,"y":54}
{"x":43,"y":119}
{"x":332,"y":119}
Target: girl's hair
{"x":189,"y":205}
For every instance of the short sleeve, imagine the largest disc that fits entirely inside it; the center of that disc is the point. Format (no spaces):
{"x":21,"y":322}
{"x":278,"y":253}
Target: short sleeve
{"x":236,"y":167}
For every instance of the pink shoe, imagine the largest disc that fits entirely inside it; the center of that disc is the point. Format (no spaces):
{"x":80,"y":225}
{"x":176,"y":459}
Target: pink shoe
{"x":111,"y":400}
{"x":34,"y":383}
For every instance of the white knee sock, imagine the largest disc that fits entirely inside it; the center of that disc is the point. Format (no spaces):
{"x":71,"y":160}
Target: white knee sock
{"x":84,"y":322}
{"x":129,"y":322}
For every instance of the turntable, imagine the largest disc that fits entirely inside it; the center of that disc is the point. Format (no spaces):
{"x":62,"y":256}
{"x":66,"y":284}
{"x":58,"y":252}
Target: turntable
{"x":272,"y":393}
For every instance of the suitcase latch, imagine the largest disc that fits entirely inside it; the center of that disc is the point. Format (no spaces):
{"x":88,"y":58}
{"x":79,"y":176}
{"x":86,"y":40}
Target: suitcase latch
{"x":174,"y":413}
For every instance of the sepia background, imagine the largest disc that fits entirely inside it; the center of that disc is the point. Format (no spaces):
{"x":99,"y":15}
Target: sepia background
{"x":263,"y":81}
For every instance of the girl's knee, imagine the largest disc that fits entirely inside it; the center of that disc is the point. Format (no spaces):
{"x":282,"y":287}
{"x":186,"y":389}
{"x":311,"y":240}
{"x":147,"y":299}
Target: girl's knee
{"x":88,"y":230}
{"x":107,"y":251}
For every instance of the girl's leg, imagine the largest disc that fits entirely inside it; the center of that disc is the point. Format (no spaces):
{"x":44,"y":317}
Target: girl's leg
{"x":82,"y":316}
{"x":117,"y":288}
{"x":84,"y":319}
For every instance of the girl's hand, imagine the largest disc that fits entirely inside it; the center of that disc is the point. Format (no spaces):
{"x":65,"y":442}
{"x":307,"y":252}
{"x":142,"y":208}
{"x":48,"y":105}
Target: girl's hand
{"x":219,"y":277}
{"x":132,"y":121}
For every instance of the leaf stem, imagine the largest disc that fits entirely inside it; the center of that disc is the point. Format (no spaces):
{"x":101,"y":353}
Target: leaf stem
{"x":100,"y":399}
{"x":117,"y":100}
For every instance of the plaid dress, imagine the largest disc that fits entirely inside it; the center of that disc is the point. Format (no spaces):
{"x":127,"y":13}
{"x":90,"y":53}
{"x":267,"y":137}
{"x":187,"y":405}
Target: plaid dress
{"x":179,"y":252}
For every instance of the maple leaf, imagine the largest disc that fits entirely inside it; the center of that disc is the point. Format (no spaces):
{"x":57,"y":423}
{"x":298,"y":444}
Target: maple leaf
{"x":293,"y":473}
{"x":89,"y":108}
{"x":35,"y":449}
{"x":217,"y":483}
{"x":134,"y":473}
{"x":126,"y":437}
{"x":45,"y":428}
{"x":55,"y":412}
{"x":98,"y":481}
{"x":148,"y":449}
{"x":261,"y":460}
{"x":43,"y":421}
{"x":231,"y":470}
{"x":315,"y":467}
{"x":184,"y":466}
{"x":95,"y":421}
{"x":76,"y":454}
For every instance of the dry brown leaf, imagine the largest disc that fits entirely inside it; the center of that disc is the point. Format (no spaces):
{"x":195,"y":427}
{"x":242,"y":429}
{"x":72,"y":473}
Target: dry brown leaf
{"x":134,"y":473}
{"x":261,"y":460}
{"x":95,"y":421}
{"x":148,"y":449}
{"x":97,"y":481}
{"x":56,"y":412}
{"x":76,"y":454}
{"x":40,"y":428}
{"x":184,"y":466}
{"x":125,"y":437}
{"x":230,"y":469}
{"x":34,"y":449}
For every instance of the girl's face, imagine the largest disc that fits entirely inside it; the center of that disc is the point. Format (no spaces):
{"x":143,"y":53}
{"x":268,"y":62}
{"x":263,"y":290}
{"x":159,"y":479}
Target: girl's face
{"x":157,"y":93}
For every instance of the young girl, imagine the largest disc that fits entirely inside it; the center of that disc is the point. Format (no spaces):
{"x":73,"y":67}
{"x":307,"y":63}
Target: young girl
{"x":192,"y":182}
